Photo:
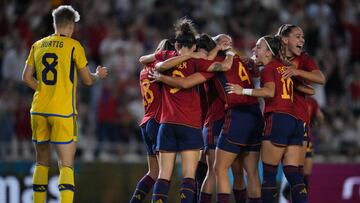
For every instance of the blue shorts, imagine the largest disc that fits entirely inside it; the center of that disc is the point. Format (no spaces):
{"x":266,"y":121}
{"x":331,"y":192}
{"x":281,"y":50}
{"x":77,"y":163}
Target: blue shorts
{"x":211,"y":133}
{"x":175,"y":138}
{"x":149,"y":131}
{"x":242,"y":129}
{"x":283,"y":129}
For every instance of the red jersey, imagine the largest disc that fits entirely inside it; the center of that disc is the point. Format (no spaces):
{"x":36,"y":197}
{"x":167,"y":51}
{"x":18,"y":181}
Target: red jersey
{"x":151,"y":94}
{"x":182,"y":106}
{"x":282,"y":102}
{"x":306,"y":63}
{"x":238,"y":74}
{"x":215,"y":105}
{"x":166,"y":54}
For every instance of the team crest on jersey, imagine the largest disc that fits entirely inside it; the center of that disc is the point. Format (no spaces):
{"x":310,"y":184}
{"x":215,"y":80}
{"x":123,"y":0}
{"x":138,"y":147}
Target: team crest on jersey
{"x":138,"y":197}
{"x":159,"y":201}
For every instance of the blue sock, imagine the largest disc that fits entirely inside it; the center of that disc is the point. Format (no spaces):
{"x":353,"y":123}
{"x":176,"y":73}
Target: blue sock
{"x":187,"y":190}
{"x":240,"y":195}
{"x":268,"y":187}
{"x":142,"y":188}
{"x":205,"y":197}
{"x":254,"y":200}
{"x":296,"y":181}
{"x":161,"y":189}
{"x":223,"y":198}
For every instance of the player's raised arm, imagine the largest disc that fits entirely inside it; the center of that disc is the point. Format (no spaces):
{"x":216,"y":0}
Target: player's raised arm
{"x":268,"y":91}
{"x":90,"y":78}
{"x":169,"y":63}
{"x":179,"y":82}
{"x":147,"y":58}
{"x":224,"y":65}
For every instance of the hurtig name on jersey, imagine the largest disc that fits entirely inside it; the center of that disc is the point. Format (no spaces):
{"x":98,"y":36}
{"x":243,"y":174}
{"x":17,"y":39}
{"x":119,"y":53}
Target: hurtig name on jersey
{"x":58,"y":44}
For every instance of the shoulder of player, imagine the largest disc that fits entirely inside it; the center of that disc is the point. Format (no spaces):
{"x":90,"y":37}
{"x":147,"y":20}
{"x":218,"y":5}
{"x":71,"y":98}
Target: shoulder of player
{"x":305,"y":56}
{"x":73,"y":41}
{"x":273,"y":64}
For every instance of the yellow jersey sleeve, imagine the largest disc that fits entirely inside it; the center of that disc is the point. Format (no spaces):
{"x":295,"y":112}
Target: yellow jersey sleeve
{"x":79,"y":57}
{"x":30,"y":60}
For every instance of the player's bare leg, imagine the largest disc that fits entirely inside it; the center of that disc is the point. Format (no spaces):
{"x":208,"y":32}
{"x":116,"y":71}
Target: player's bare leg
{"x":223,"y":161}
{"x":251,"y":160}
{"x":271,"y":155}
{"x":291,"y":161}
{"x":210,"y":179}
{"x":239,"y":187}
{"x":189,"y":160}
{"x":166,"y":167}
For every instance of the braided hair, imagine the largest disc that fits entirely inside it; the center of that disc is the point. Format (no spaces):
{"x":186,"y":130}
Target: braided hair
{"x":284,"y":31}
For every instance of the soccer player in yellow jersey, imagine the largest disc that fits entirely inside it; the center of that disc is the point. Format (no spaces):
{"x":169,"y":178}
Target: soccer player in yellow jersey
{"x":56,"y":60}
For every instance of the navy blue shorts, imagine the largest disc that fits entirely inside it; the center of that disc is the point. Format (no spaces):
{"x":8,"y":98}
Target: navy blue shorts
{"x":283,"y":129}
{"x":175,"y":138}
{"x":211,"y":133}
{"x":242,"y":129}
{"x":149,"y":131}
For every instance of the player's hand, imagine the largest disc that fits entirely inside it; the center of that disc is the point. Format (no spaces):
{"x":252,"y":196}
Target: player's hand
{"x":154,"y":75}
{"x":289,"y":72}
{"x":102,"y":72}
{"x":225,"y":45}
{"x":233,"y":89}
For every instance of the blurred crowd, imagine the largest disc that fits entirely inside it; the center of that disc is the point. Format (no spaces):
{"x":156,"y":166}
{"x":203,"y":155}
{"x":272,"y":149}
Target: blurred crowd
{"x":115,"y":33}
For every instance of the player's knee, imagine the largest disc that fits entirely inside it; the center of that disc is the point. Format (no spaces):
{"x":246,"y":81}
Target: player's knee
{"x":65,"y":163}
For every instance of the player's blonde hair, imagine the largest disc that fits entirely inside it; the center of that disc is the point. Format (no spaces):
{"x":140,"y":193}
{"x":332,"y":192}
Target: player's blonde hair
{"x":65,"y":14}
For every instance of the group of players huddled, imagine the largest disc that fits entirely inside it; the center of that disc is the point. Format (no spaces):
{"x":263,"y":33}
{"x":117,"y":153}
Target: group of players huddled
{"x":201,"y":100}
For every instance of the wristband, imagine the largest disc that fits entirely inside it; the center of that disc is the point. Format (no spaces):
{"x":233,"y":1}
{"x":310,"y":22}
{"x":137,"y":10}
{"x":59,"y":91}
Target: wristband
{"x":231,"y":53}
{"x":96,"y":76}
{"x":247,"y":92}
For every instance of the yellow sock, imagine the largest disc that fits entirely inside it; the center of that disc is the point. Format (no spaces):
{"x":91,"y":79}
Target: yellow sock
{"x":66,"y":185}
{"x":40,"y":182}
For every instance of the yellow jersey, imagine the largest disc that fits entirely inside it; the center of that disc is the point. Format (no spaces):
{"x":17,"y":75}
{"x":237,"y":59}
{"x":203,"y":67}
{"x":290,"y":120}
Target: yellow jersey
{"x":56,"y":59}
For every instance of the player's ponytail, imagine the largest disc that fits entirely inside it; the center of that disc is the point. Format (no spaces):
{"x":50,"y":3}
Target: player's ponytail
{"x":185,"y":33}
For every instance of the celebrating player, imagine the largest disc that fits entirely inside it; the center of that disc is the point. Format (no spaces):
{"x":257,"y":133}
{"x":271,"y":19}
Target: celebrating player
{"x":179,"y":130}
{"x":283,"y":134}
{"x":150,"y":124}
